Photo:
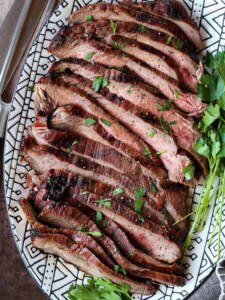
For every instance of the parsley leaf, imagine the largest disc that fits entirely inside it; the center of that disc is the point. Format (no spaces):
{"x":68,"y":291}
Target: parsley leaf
{"x":107,"y":123}
{"x":31,"y":88}
{"x":106,"y":202}
{"x":211,"y":114}
{"x":166,"y":107}
{"x":138,"y":203}
{"x":89,"y":56}
{"x":142,"y":28}
{"x":211,"y":87}
{"x":118,"y":46}
{"x":189,"y":172}
{"x":176,"y":93}
{"x":89,"y":121}
{"x":169,"y":40}
{"x":100,"y":288}
{"x":151,"y":133}
{"x":99,"y":216}
{"x":100,"y":81}
{"x":179,"y":44}
{"x":113,"y":26}
{"x":147,"y":152}
{"x":153,"y":188}
{"x":118,"y":191}
{"x":89,"y":18}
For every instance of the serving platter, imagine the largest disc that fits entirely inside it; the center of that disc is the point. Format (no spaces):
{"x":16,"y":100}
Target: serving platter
{"x":52,"y":274}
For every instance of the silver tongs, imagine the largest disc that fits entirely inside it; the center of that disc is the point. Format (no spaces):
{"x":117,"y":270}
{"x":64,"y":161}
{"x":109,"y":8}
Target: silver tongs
{"x":14,"y":39}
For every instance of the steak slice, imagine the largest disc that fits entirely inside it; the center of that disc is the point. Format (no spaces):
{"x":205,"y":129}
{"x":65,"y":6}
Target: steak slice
{"x":184,"y":130}
{"x":64,"y":216}
{"x":84,"y":259}
{"x":56,"y":178}
{"x":70,"y":218}
{"x":186,"y":64}
{"x":144,"y":234}
{"x":175,"y":12}
{"x":62,"y":91}
{"x":65,"y":119}
{"x":119,"y":13}
{"x":80,"y":238}
{"x":81,"y":46}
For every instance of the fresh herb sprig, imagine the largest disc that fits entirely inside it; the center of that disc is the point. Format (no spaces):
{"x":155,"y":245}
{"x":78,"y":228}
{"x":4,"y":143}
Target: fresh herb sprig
{"x":211,"y":89}
{"x":100,"y":288}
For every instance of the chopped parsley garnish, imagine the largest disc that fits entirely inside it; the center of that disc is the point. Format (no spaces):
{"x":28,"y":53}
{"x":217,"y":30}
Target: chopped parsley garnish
{"x":165,"y":125}
{"x":113,"y":26}
{"x":69,"y":39}
{"x":118,"y":46}
{"x":189,"y":172}
{"x":138,"y":203}
{"x":89,"y":56}
{"x":100,"y":288}
{"x":99,"y":82}
{"x":84,"y":193}
{"x":141,"y":218}
{"x":179,"y":44}
{"x":106,"y":202}
{"x":160,"y":152}
{"x":151,"y":133}
{"x":118,"y":191}
{"x":142,"y":28}
{"x":176,"y":93}
{"x":99,"y":216}
{"x":89,"y":121}
{"x":169,"y":40}
{"x":107,"y":123}
{"x":31,"y":88}
{"x":83,"y":228}
{"x":147,"y":152}
{"x":89,"y":18}
{"x":166,"y":107}
{"x":166,"y":216}
{"x":153,"y":188}
{"x":117,"y":269}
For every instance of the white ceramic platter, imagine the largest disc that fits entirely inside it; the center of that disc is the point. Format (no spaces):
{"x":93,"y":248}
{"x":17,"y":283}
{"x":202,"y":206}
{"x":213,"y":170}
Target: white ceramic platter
{"x":52,"y":274}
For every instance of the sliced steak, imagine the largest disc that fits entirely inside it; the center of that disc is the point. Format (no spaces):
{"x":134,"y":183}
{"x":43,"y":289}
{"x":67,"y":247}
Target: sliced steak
{"x":66,"y":119}
{"x":184,"y":130}
{"x":138,"y":257}
{"x":84,"y":259}
{"x":70,"y":218}
{"x":80,"y":238}
{"x":175,"y":12}
{"x":81,"y":46}
{"x":62,"y":91}
{"x":84,"y":102}
{"x":119,"y":13}
{"x":186,"y":64}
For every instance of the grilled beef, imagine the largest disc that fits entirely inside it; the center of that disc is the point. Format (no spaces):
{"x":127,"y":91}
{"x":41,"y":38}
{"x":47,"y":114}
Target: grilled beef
{"x":84,"y":259}
{"x":81,"y":46}
{"x":145,"y":234}
{"x":184,"y":129}
{"x":119,"y":13}
{"x":161,"y":141}
{"x":79,"y":237}
{"x":175,"y":12}
{"x":151,"y":43}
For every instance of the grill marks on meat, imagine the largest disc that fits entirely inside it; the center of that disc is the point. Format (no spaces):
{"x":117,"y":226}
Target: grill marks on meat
{"x":174,"y":11}
{"x":81,"y":46}
{"x":84,"y":259}
{"x":135,"y":47}
{"x":119,"y":13}
{"x":84,"y":240}
{"x":161,"y":141}
{"x":185,"y":63}
{"x":78,"y":237}
{"x":184,"y":130}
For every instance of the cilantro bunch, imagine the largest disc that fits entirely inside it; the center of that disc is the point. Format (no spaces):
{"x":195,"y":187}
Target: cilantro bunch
{"x":100,"y":289}
{"x":211,"y":90}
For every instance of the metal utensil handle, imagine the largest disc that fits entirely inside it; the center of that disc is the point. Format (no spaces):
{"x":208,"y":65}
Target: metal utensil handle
{"x":13,"y":43}
{"x":4,"y":110}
